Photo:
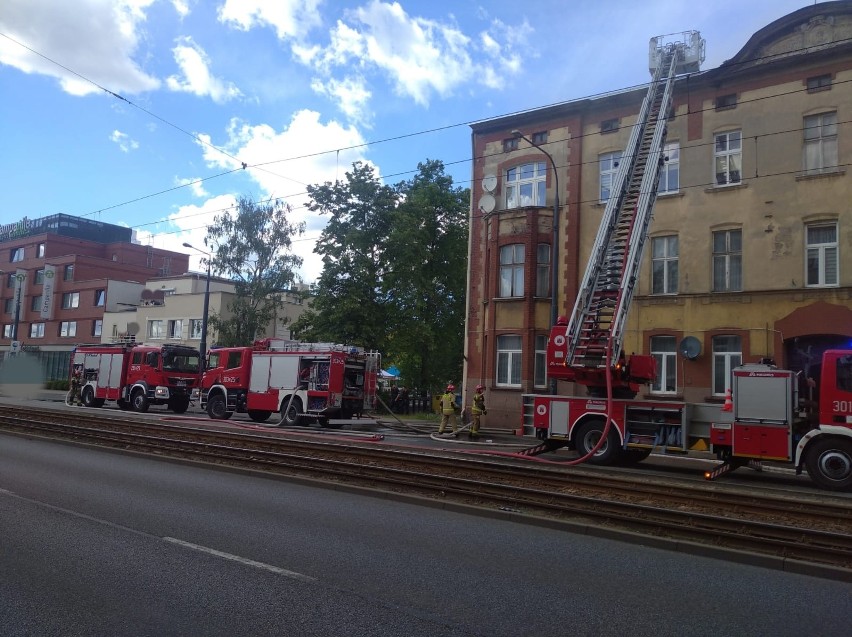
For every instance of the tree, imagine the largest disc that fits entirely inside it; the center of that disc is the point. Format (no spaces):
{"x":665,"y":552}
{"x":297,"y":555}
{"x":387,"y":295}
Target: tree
{"x":350,"y":304}
{"x":252,"y":247}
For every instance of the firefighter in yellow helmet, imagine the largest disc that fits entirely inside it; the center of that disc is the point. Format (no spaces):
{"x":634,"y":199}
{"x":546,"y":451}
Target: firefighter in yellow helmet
{"x":477,"y":411}
{"x":448,"y":410}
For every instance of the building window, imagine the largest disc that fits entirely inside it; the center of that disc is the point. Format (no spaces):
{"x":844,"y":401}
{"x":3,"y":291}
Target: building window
{"x":609,"y":167}
{"x":727,"y":354}
{"x":728,"y":261}
{"x":664,"y":262}
{"x":175,"y":328}
{"x":8,"y":306}
{"x":609,"y":125}
{"x":820,"y":149}
{"x":725,"y":102}
{"x":100,"y":298}
{"x":39,"y":277}
{"x":819,"y":83}
{"x":512,"y":270}
{"x":68,"y":272}
{"x":510,"y":144}
{"x":542,"y":270}
{"x":40,"y":251}
{"x":68,"y":328}
{"x":7,"y":331}
{"x":821,"y":254}
{"x":728,"y":158}
{"x":35,"y":303}
{"x":540,"y":373}
{"x":10,"y":280}
{"x":509,"y":360}
{"x":195,"y":327}
{"x":97,"y":327}
{"x":37,"y":330}
{"x":664,"y":351}
{"x":539,"y":138}
{"x":16,"y":254}
{"x":156,"y":329}
{"x":526,"y":185}
{"x":70,"y":300}
{"x":670,"y":169}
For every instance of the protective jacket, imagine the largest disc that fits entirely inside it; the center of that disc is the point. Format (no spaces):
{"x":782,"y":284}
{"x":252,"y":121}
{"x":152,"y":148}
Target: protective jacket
{"x":448,"y":403}
{"x":478,"y":406}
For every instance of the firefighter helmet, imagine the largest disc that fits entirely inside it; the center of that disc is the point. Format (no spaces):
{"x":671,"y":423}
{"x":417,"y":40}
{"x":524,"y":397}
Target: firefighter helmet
{"x":451,"y":387}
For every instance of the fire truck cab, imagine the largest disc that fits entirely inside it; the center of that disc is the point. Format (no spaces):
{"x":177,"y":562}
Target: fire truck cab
{"x":137,"y":376}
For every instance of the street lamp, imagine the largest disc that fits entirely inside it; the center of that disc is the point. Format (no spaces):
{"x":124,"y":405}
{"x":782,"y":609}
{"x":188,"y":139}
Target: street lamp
{"x":20,"y":277}
{"x":554,"y":249}
{"x":206,"y":311}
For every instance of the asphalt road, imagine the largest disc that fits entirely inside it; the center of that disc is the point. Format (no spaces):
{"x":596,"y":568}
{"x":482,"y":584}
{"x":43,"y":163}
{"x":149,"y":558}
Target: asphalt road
{"x":101,"y":543}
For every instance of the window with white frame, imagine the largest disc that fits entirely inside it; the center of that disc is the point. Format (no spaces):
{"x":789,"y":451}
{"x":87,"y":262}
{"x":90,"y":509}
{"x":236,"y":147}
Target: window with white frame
{"x":16,"y":254}
{"x":664,"y":265}
{"x":512,"y":270}
{"x":542,"y":270}
{"x":97,"y":327}
{"x":608,"y":163}
{"x":39,"y":277}
{"x":68,"y":272}
{"x":664,"y":351}
{"x":727,"y":354}
{"x":100,"y":298}
{"x":195,"y":327}
{"x":820,"y":149}
{"x":40,"y":251}
{"x":37,"y":330}
{"x":526,"y":185}
{"x":821,"y":255}
{"x":175,"y":328}
{"x":7,"y":331}
{"x":70,"y":300}
{"x":728,"y":261}
{"x":509,"y":360}
{"x":670,"y":170}
{"x":728,"y":157}
{"x":68,"y":328}
{"x":540,"y":371}
{"x":156,"y":329}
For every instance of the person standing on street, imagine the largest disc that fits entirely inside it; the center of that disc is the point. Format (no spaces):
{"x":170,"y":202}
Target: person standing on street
{"x":477,"y":411}
{"x":448,"y":410}
{"x":74,"y":394}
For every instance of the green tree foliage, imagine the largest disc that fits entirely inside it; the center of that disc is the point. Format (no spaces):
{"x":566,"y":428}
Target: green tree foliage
{"x":253,"y":248}
{"x":394,"y":268}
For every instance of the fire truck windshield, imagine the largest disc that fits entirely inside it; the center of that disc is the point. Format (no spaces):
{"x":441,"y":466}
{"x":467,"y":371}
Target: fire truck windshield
{"x":184,"y":363}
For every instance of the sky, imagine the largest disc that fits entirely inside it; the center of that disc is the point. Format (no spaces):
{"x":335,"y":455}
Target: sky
{"x":144,"y":113}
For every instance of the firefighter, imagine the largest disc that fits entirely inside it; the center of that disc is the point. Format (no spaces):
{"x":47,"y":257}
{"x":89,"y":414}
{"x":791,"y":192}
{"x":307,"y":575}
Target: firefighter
{"x":477,"y":410}
{"x":448,"y":410}
{"x":74,"y":395}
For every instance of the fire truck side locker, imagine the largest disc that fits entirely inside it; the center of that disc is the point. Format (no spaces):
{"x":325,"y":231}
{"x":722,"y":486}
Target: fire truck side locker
{"x":764,"y":410}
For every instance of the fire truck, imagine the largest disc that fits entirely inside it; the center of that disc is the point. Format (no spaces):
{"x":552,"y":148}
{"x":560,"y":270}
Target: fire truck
{"x":137,"y":376}
{"x":303,"y":382}
{"x":764,"y":419}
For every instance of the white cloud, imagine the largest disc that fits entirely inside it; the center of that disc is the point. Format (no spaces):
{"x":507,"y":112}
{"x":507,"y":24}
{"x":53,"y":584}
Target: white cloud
{"x":291,"y":19}
{"x":351,"y":95}
{"x":125,"y":143}
{"x":196,"y":186}
{"x":196,"y":77}
{"x":96,"y":38}
{"x":182,"y":7}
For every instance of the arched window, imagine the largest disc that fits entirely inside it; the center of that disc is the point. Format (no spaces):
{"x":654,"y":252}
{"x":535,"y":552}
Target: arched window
{"x":512,"y":270}
{"x":664,"y":351}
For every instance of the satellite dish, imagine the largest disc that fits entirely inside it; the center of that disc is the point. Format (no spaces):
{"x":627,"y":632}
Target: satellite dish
{"x":487,"y":203}
{"x":133,"y":328}
{"x":690,"y":347}
{"x":489,"y":183}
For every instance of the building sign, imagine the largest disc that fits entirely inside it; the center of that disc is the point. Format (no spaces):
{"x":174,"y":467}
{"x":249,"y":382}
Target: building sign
{"x":21,"y":228}
{"x":47,"y":292}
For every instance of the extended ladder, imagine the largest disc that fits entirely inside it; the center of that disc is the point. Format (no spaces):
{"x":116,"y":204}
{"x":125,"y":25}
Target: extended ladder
{"x":599,"y":314}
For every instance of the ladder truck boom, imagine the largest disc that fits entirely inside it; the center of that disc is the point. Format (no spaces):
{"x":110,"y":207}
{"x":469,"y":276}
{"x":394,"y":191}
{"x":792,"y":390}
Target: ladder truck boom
{"x":588,"y":350}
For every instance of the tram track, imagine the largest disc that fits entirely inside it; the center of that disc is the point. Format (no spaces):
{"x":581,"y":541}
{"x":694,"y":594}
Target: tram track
{"x":816,"y":530}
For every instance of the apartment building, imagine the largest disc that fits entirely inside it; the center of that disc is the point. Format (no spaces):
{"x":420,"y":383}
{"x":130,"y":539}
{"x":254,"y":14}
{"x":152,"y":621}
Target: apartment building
{"x":748,"y":256}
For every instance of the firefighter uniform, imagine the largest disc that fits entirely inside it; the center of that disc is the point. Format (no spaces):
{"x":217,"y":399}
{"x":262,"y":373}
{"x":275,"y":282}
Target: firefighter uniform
{"x":477,"y":410}
{"x":75,"y":389}
{"x":448,"y":410}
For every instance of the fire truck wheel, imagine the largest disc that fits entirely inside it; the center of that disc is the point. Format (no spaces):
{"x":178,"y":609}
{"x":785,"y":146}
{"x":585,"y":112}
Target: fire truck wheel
{"x":139,"y":401}
{"x":291,"y":417}
{"x":87,"y":397}
{"x":179,"y":405}
{"x":217,"y":407}
{"x":587,"y":437}
{"x":259,"y":415}
{"x":122,"y":404}
{"x":829,"y":463}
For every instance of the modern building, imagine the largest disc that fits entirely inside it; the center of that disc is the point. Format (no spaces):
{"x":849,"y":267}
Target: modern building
{"x":749,"y":252}
{"x":60,"y":273}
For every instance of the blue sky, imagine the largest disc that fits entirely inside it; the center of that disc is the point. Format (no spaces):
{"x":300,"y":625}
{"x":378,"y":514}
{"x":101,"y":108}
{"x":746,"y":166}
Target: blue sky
{"x":295,"y":89}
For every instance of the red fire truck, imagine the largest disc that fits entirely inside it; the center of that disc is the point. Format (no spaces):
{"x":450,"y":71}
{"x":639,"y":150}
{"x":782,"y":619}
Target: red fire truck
{"x":137,"y":376}
{"x":765,"y":419}
{"x":301,"y":381}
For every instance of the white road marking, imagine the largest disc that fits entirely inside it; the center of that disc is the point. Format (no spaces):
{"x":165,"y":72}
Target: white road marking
{"x":242,"y":560}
